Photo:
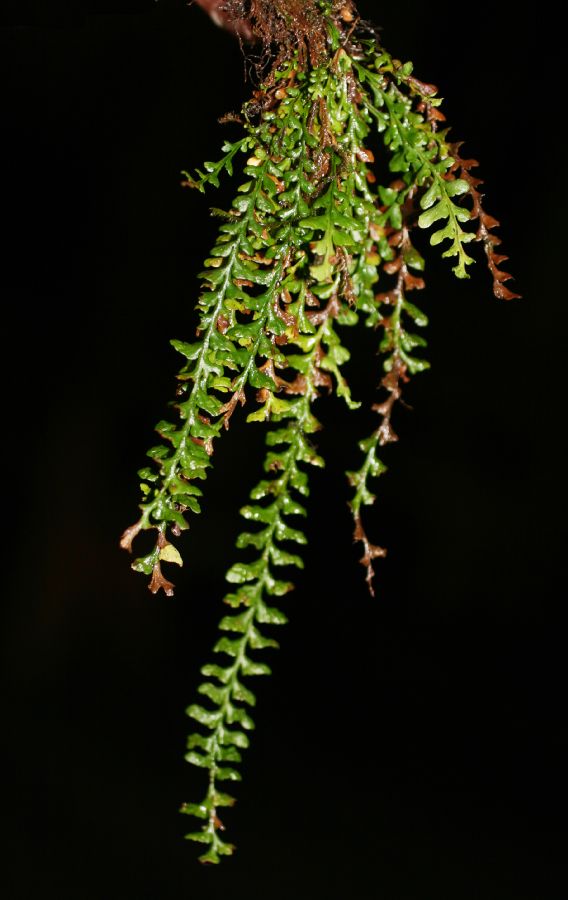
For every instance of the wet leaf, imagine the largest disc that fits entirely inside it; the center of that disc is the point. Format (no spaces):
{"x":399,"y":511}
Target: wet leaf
{"x":169,"y":553}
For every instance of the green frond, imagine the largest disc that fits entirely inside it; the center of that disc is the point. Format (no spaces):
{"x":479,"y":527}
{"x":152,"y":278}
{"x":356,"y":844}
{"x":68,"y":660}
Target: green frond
{"x":213,"y":170}
{"x":257,"y":579}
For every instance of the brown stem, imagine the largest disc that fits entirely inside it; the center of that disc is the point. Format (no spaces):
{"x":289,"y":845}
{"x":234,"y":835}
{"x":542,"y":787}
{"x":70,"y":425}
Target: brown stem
{"x":288,"y":25}
{"x":224,"y":16}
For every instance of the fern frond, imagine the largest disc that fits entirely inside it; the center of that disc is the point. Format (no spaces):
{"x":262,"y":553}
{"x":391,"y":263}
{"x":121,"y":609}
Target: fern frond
{"x":419,"y":152}
{"x":238,"y":316}
{"x":213,"y":170}
{"x":486,"y":226}
{"x":400,"y":363}
{"x":276,"y":502}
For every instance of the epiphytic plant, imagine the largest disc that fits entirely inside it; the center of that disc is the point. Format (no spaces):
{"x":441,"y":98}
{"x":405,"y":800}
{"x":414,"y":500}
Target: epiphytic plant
{"x":312,"y":245}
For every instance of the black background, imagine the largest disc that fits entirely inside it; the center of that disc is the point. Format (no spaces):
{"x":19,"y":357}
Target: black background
{"x":407,"y":747}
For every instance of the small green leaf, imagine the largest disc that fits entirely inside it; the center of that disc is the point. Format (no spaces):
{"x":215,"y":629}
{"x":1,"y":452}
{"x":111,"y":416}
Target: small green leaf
{"x":190,"y":351}
{"x":196,"y":759}
{"x":434,"y":214}
{"x":232,"y":736}
{"x":432,"y":194}
{"x":204,"y":742}
{"x":258,"y":642}
{"x":220,"y":799}
{"x":267,"y":514}
{"x":282,"y":558}
{"x":285,"y":533}
{"x":259,"y":380}
{"x":195,"y":809}
{"x":277,"y":589}
{"x":209,"y":858}
{"x":240,"y":573}
{"x":228,"y":646}
{"x":213,"y":671}
{"x":169,"y":553}
{"x":260,"y":415}
{"x":203,"y":716}
{"x":237,"y":624}
{"x":413,"y":259}
{"x":387,"y":195}
{"x":237,"y":714}
{"x":242,"y":694}
{"x":292,"y":508}
{"x":202,"y":837}
{"x":267,"y":615}
{"x":147,"y":474}
{"x":313,"y":222}
{"x":214,"y":692}
{"x":456,"y":187}
{"x":227,"y":774}
{"x":251,"y":668}
{"x":229,"y":754}
{"x":416,"y":314}
{"x":257,"y":540}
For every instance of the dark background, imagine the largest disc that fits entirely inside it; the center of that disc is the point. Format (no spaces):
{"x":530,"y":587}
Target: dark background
{"x":407,"y":747}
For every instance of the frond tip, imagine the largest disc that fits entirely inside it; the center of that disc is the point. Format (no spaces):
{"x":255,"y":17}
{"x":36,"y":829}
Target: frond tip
{"x":370,"y":552}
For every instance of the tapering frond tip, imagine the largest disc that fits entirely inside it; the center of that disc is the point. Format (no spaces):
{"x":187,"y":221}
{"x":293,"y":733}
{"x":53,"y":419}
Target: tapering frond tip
{"x":199,"y":810}
{"x":370,"y":553}
{"x":209,"y":833}
{"x":150,"y":565}
{"x":494,"y":260}
{"x":487,"y":224}
{"x":217,"y":848}
{"x":490,"y":242}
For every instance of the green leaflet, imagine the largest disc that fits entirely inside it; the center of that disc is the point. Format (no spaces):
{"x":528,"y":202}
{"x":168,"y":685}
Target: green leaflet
{"x":421,"y":155}
{"x":438,"y":204}
{"x":310,"y":246}
{"x":214,"y":169}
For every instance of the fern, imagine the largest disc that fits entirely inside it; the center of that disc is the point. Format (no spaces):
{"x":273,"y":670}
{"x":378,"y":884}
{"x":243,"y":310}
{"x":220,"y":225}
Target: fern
{"x":298,"y":257}
{"x":227,"y":718}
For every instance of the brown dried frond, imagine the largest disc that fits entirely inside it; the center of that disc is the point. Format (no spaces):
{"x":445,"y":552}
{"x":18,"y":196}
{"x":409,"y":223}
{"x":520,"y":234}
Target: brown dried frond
{"x":370,"y":553}
{"x":228,"y":408}
{"x":159,"y":583}
{"x":331,"y":310}
{"x":129,"y":535}
{"x":486,"y":225}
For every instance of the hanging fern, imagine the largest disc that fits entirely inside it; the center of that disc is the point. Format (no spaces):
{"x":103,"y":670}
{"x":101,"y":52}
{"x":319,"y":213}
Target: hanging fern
{"x":313,"y":243}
